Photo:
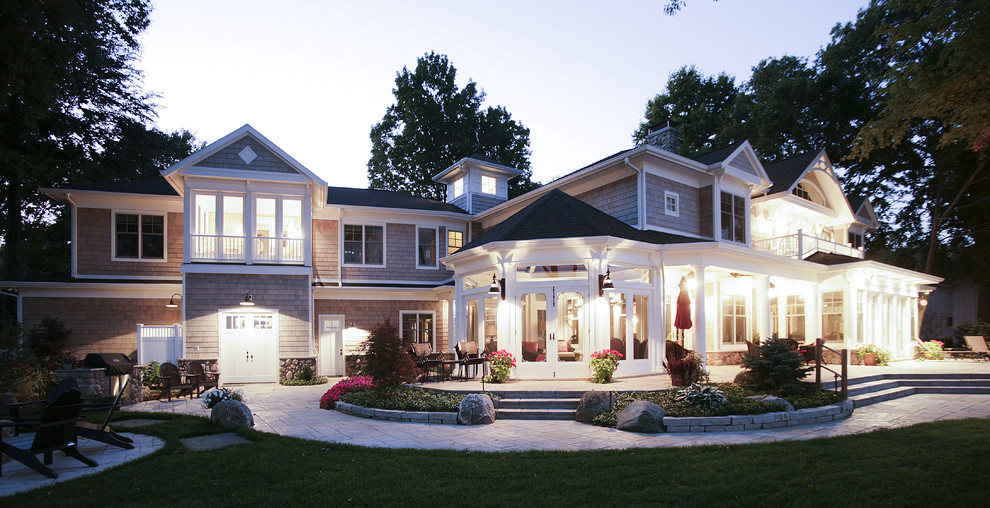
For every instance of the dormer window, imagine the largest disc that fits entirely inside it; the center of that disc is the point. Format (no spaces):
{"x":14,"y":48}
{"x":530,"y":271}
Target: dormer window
{"x":807,"y":191}
{"x":488,"y":184}
{"x":459,"y":186}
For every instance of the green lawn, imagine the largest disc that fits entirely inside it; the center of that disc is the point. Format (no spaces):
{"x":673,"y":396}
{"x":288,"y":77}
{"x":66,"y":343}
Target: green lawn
{"x":941,"y":463}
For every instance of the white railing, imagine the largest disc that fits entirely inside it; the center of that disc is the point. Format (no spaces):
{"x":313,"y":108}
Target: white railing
{"x":231,"y":248}
{"x":800,"y":246}
{"x":160,"y":343}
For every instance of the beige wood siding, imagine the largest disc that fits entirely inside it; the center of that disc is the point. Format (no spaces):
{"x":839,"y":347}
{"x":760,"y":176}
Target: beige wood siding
{"x":687,"y":219}
{"x":366,"y":314}
{"x":707,"y":221}
{"x":326,"y":250}
{"x":94,"y":238}
{"x":400,"y":259}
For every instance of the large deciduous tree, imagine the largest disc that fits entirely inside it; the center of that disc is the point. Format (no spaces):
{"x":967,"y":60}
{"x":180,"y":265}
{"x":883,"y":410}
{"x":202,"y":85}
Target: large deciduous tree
{"x":68,"y":76}
{"x":433,"y":124}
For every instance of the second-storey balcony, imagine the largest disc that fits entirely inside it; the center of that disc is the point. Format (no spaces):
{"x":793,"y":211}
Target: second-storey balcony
{"x":230,"y":249}
{"x":800,"y":246}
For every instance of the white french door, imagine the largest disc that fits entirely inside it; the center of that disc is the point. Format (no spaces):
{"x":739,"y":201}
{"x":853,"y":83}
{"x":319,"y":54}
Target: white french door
{"x":249,"y":347}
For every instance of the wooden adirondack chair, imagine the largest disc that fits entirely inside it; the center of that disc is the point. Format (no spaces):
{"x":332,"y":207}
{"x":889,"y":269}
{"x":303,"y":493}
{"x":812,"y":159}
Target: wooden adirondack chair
{"x":172,"y":379}
{"x":204,"y":380}
{"x":56,"y":431}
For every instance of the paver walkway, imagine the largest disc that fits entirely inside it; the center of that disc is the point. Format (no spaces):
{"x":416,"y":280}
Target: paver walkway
{"x":294,"y":411}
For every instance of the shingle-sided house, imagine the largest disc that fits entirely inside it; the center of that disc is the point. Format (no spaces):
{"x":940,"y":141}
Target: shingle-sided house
{"x":265,"y":265}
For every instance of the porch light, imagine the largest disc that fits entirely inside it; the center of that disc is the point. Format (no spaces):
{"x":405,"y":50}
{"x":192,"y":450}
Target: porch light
{"x":248,"y":299}
{"x":171,"y":301}
{"x":497,"y":287}
{"x":605,"y":282}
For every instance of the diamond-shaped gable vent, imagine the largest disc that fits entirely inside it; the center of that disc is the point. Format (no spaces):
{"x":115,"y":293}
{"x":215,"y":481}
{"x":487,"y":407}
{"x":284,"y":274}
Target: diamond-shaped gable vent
{"x":247,"y":155}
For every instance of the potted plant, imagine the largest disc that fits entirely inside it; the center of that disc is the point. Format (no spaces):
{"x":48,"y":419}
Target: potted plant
{"x":686,"y":371}
{"x":873,"y":355}
{"x":603,"y":365}
{"x":500,"y":362}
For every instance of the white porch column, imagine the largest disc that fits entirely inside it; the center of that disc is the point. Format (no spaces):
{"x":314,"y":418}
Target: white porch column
{"x":700,"y":336}
{"x":456,"y":317}
{"x":762,"y":305}
{"x":848,"y":317}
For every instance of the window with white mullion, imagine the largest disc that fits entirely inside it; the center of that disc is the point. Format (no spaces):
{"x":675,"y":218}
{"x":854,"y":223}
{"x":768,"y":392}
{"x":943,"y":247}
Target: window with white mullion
{"x":426,"y":247}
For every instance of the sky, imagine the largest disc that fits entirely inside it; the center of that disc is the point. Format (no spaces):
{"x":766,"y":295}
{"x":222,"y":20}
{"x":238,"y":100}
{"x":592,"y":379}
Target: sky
{"x":315,"y":76}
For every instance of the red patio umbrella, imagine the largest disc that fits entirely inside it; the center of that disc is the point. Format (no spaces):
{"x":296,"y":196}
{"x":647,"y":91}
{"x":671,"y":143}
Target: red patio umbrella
{"x":683,"y":319}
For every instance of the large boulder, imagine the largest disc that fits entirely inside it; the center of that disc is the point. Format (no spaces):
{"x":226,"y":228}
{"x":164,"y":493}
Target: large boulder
{"x":773,"y":400}
{"x":476,"y":409}
{"x":592,"y":404}
{"x":641,"y":416}
{"x":232,"y":413}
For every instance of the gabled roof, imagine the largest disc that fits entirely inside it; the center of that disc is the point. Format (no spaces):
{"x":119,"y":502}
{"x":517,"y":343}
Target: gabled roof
{"x":478,"y":160}
{"x":718,"y":154}
{"x":152,"y":186}
{"x":559,"y":215}
{"x":785,"y":173}
{"x":385,"y":199}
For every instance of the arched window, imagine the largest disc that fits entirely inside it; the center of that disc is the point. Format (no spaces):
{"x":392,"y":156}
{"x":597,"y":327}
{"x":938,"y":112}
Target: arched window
{"x":808,"y":191}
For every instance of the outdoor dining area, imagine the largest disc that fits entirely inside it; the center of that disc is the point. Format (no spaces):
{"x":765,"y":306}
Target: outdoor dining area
{"x":435,"y":366}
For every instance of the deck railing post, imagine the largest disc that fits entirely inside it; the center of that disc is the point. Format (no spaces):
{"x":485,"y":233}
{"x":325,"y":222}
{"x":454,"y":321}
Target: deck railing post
{"x":818,"y":364}
{"x":845,"y":372}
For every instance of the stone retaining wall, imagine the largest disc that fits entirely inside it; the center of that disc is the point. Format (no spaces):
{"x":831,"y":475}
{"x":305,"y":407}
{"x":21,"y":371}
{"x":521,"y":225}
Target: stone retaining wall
{"x":396,"y":416}
{"x":737,"y":423}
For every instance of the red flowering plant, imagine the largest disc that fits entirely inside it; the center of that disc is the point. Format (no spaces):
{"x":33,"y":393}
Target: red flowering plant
{"x":603,"y":365}
{"x":348,"y":385}
{"x":501,"y":363}
{"x":931,"y":350}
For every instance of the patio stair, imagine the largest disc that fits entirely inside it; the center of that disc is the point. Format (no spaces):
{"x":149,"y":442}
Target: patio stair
{"x":867,"y":390}
{"x":532,"y":405}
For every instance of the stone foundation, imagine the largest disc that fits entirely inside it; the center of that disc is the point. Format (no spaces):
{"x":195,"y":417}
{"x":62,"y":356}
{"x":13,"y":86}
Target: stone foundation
{"x":288,"y":368}
{"x":725,"y":357}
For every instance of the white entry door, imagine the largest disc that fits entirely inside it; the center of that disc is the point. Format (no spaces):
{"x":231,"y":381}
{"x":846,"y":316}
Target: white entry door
{"x":248,"y":348}
{"x":331,"y":345}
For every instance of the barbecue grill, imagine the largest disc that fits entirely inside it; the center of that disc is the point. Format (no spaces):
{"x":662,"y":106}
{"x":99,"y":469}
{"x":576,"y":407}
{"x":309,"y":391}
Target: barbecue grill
{"x":117,"y":365}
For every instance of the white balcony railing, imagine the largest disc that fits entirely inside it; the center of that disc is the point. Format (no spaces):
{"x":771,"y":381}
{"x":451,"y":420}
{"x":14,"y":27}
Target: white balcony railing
{"x":800,"y":246}
{"x":231,"y":249}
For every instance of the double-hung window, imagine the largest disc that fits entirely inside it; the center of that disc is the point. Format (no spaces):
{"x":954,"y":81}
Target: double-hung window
{"x":455,"y":240}
{"x":733,"y":218}
{"x":364,"y":245}
{"x":488,"y":185}
{"x":417,"y":327}
{"x":139,"y":236}
{"x":426,"y":247}
{"x":671,"y":203}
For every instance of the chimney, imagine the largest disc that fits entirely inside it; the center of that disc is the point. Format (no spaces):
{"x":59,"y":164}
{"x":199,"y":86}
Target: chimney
{"x":665,"y":135}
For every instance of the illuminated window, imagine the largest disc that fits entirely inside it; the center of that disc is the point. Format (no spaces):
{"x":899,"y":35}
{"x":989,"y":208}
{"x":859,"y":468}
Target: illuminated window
{"x":832,"y":316}
{"x":455,"y":240}
{"x":458,"y":187}
{"x":795,"y":317}
{"x":487,"y":184}
{"x":733,"y":319}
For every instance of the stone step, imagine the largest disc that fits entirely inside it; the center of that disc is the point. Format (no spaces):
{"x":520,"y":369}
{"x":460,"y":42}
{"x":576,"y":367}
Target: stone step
{"x":534,"y":414}
{"x":881,"y":396}
{"x":945,"y":382}
{"x":520,"y":394}
{"x":508,"y":403}
{"x":864,"y":380}
{"x":874,"y":386}
{"x":957,"y":390}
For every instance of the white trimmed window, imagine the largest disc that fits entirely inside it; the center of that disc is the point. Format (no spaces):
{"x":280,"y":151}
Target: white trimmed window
{"x":671,"y":203}
{"x":734,"y":330}
{"x":856,"y":240}
{"x":459,"y":186}
{"x":426,"y":247}
{"x":138,"y":236}
{"x":455,"y":240}
{"x":832,"y":316}
{"x":417,"y":327}
{"x":733,"y":218}
{"x":488,"y":184}
{"x":364,"y":245}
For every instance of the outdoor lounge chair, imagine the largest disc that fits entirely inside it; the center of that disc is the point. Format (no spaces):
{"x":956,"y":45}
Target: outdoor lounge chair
{"x":978,"y":345}
{"x":172,"y":379}
{"x":56,"y":430}
{"x":204,"y":380}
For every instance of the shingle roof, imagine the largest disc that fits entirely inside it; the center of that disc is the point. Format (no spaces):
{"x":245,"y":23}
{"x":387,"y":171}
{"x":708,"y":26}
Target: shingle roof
{"x":156,"y":185}
{"x":784,"y":173}
{"x":559,"y":215}
{"x":385,"y":199}
{"x":718,"y":154}
{"x":855,"y":202}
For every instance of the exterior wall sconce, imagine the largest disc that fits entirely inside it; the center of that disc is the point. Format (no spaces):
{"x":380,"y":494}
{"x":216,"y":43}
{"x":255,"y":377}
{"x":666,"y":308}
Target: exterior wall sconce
{"x":171,"y":301}
{"x":248,"y":299}
{"x":497,"y":287}
{"x":923,"y":300}
{"x":605,"y":282}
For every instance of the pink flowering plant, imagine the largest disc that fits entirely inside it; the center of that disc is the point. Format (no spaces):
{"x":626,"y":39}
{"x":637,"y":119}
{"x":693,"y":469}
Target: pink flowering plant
{"x":603,"y":365}
{"x":882,"y":355}
{"x":348,"y":385}
{"x":501,"y":363}
{"x":931,"y":350}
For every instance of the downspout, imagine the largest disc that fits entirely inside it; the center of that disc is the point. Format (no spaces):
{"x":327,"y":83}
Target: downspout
{"x":20,"y":308}
{"x":72,"y":236}
{"x":640,"y":194}
{"x":340,"y":246}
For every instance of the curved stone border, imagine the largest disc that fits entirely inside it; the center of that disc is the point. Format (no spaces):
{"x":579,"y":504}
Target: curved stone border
{"x":397,"y":416}
{"x":737,"y":423}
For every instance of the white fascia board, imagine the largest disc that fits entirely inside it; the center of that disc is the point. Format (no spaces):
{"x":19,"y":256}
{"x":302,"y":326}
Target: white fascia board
{"x":909,"y":276}
{"x":739,"y":258}
{"x":127,"y":277}
{"x":108,"y":200}
{"x":747,"y":149}
{"x":245,"y":174}
{"x":218,"y":268}
{"x":379,"y":214}
{"x":358,"y":293}
{"x":497,"y":168}
{"x":554,"y":251}
{"x":94,"y":289}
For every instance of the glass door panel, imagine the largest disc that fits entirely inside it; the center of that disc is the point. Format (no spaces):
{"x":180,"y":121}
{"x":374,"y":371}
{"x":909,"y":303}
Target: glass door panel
{"x":533,"y":330}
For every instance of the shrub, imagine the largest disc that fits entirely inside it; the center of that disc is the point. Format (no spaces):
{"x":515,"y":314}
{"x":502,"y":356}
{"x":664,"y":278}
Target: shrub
{"x":387,"y":359}
{"x":691,"y":369}
{"x":305,"y":373}
{"x":500,"y":363}
{"x":318,"y":380}
{"x":345,"y":386}
{"x":217,"y":395}
{"x":603,"y":365}
{"x":776,"y":365}
{"x":152,"y":374}
{"x":702,"y":396}
{"x":49,"y":342}
{"x":978,"y":327}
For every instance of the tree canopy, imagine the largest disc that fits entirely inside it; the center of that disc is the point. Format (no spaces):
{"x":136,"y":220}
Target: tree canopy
{"x":433,"y":124}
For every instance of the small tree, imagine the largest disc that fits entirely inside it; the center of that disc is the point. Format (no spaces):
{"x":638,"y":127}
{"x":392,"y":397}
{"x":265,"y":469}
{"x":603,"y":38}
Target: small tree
{"x":387,"y":359}
{"x":49,"y":341}
{"x":775,"y":367}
